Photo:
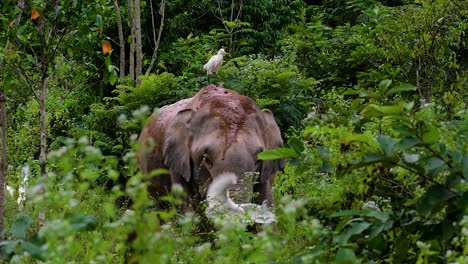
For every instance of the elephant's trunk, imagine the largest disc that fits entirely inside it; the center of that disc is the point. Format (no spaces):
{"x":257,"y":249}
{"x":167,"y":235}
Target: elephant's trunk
{"x":242,"y":191}
{"x":220,"y":204}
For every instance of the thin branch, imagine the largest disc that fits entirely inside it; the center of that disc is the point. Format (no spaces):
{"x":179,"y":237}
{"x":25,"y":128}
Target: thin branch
{"x":162,"y":10}
{"x":222,"y":17}
{"x":121,"y":38}
{"x":26,"y":81}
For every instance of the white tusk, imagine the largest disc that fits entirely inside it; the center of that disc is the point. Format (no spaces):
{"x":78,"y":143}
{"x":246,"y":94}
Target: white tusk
{"x":220,"y":205}
{"x":218,"y":198}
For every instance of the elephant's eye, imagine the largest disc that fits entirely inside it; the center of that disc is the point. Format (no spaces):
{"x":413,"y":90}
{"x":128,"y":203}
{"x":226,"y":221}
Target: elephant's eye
{"x":206,"y":160}
{"x":258,"y":165}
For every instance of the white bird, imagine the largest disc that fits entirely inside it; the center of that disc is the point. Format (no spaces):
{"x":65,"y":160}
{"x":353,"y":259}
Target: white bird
{"x":215,"y":62}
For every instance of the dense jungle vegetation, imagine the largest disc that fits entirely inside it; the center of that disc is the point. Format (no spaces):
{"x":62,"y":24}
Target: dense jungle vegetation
{"x":371,"y":97}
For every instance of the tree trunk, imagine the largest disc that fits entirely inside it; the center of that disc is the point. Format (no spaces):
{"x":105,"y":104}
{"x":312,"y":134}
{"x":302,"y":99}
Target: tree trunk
{"x":121,"y":38}
{"x":3,"y":160}
{"x":132,"y":43}
{"x":44,"y":65}
{"x":20,"y":5}
{"x":138,"y":51}
{"x":162,"y":10}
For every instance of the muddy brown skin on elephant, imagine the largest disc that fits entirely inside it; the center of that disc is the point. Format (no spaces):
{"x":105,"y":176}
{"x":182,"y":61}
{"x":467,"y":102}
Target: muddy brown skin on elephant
{"x":199,"y":138}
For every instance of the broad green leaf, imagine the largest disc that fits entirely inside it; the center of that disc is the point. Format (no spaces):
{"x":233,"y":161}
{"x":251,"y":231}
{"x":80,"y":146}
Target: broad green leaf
{"x":279,"y":153}
{"x":364,"y":138}
{"x":408,"y":142}
{"x":34,"y":250}
{"x":402,"y":245}
{"x":400,"y":89}
{"x":83,"y":222}
{"x":296,"y":144}
{"x":354,"y":228}
{"x":98,"y":20}
{"x":284,"y":76}
{"x":107,"y":61}
{"x":435,"y":195}
{"x":369,"y":94}
{"x":408,"y":106}
{"x":380,"y":215}
{"x":434,"y":163}
{"x":410,"y":158}
{"x":373,"y":110}
{"x":112,"y":77}
{"x":8,"y":246}
{"x":376,"y":230}
{"x":370,"y":159}
{"x":383,"y":85}
{"x":345,"y":256}
{"x":430,"y":135}
{"x":350,"y":92}
{"x":346,"y":213}
{"x":465,"y":167}
{"x":21,"y":226}
{"x":386,"y":144}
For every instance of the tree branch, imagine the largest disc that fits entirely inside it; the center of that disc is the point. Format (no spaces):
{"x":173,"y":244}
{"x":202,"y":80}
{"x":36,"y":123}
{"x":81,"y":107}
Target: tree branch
{"x":162,"y":10}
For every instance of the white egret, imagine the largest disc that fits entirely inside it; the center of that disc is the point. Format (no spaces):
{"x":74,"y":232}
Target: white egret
{"x":215,"y":63}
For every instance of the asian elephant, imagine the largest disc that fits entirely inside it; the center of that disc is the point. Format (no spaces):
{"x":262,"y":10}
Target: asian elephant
{"x":214,"y":132}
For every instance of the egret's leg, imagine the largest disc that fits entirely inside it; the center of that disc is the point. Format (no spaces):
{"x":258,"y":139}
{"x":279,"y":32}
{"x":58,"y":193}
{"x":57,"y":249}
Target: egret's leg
{"x":208,"y":78}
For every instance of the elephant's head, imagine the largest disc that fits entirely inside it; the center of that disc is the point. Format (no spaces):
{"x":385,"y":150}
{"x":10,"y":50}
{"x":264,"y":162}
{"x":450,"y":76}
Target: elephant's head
{"x":223,"y":133}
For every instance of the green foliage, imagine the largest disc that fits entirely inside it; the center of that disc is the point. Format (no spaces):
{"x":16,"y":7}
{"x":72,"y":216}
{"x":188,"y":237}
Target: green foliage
{"x":359,"y":55}
{"x":276,"y":86}
{"x":370,"y":97}
{"x":402,"y":169}
{"x":154,"y":91}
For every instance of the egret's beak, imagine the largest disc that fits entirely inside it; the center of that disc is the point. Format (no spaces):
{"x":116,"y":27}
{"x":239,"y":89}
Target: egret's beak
{"x":227,"y":54}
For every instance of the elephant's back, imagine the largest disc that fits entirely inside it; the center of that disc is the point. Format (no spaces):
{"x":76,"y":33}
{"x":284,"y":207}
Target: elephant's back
{"x":167,"y":113}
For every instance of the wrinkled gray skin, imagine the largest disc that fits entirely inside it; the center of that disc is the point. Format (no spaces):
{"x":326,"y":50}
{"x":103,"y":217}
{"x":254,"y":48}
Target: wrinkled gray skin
{"x":201,"y":137}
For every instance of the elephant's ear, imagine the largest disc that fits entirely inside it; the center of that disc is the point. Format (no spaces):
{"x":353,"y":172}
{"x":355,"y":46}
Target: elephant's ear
{"x":272,"y":139}
{"x":176,"y":150}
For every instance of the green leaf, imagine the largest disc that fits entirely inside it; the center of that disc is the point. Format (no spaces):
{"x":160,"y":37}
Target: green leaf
{"x":410,"y":158}
{"x":386,"y":144}
{"x":279,"y":153}
{"x":21,"y":226}
{"x":400,"y":89}
{"x":346,"y":213}
{"x":98,"y":20}
{"x":284,"y":76}
{"x":296,"y":144}
{"x":430,"y":135}
{"x":380,"y":215}
{"x":373,"y":110}
{"x":85,"y":222}
{"x":383,"y":85}
{"x":408,"y":106}
{"x":7,"y":247}
{"x":465,"y":167}
{"x":408,"y":142}
{"x":369,"y":94}
{"x":434,"y":196}
{"x":376,"y":230}
{"x":345,"y":256}
{"x":356,"y":226}
{"x":34,"y":250}
{"x":113,"y":77}
{"x":107,"y":61}
{"x":364,"y":138}
{"x":350,"y":91}
{"x":434,"y":163}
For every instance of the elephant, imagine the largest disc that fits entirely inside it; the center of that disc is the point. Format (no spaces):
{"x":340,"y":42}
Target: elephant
{"x":199,"y":138}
